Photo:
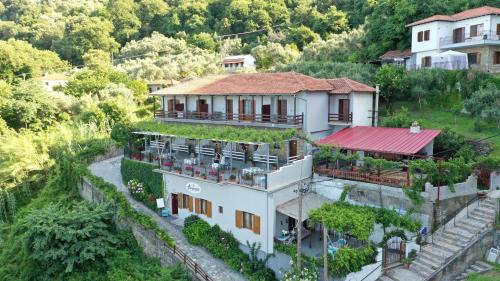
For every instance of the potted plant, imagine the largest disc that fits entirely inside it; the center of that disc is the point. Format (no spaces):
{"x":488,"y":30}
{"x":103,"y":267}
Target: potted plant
{"x":232,"y":178}
{"x":203,"y":176}
{"x":412,"y":254}
{"x":189,"y":168}
{"x":197,"y":173}
{"x":178,"y":169}
{"x":406,"y":262}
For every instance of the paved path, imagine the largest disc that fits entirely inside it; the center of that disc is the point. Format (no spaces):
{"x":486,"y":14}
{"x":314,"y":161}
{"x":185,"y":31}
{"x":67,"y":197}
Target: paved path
{"x":109,"y":170}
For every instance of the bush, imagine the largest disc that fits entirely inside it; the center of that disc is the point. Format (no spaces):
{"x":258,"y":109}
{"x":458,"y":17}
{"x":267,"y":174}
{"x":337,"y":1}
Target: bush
{"x":398,"y":119}
{"x":347,"y":260}
{"x":448,"y":143}
{"x":143,"y":173}
{"x":223,"y":245}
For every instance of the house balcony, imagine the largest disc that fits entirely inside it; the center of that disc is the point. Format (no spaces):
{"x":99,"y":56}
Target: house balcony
{"x":466,"y":40}
{"x":339,"y":119}
{"x":261,"y":166}
{"x":222,"y":118}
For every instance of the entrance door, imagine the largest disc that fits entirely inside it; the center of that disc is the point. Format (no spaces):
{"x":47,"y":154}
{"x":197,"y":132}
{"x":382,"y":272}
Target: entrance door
{"x":292,"y":149}
{"x":175,"y":207}
{"x":179,"y":108}
{"x":282,"y":111}
{"x":459,"y":35}
{"x":170,"y":105}
{"x":344,"y":110}
{"x":202,"y":109}
{"x":266,"y":113}
{"x":229,"y":109}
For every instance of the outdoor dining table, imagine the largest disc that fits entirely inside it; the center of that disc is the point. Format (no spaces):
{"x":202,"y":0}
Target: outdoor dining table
{"x":252,"y":171}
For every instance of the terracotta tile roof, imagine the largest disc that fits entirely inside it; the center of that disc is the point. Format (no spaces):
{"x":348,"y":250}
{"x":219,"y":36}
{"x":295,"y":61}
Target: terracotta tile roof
{"x":233,"y":60}
{"x":467,"y":14}
{"x":380,"y":139}
{"x":283,"y":83}
{"x":396,"y":54}
{"x":346,"y":86}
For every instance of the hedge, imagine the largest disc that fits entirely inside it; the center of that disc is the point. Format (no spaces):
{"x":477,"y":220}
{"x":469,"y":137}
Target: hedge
{"x":143,"y":173}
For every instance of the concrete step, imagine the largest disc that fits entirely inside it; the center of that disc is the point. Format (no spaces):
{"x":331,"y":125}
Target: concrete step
{"x":477,"y":268}
{"x":385,"y":278}
{"x":488,"y":204}
{"x":460,"y":231}
{"x":469,"y":271}
{"x":435,"y":259}
{"x":445,"y":246}
{"x":486,"y":211}
{"x":437,"y":253}
{"x":473,"y":222}
{"x":470,"y":229}
{"x":484,"y":265}
{"x":421,"y":268}
{"x":452,"y":242}
{"x":478,"y":217}
{"x":428,"y":262}
{"x":453,"y":236}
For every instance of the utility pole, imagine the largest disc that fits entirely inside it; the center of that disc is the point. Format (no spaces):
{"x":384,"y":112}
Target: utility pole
{"x":303,"y":188}
{"x":325,"y":253}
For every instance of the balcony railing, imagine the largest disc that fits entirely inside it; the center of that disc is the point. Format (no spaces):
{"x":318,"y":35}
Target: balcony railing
{"x":232,"y":117}
{"x":467,"y":38}
{"x":389,"y":178}
{"x":335,"y":117}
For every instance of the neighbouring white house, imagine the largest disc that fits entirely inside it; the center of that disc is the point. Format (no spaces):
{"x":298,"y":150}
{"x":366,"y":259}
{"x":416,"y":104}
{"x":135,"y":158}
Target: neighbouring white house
{"x":157,"y":85}
{"x":397,"y":57}
{"x":474,"y":32}
{"x":318,"y":107}
{"x":238,"y":63}
{"x":50,"y":82}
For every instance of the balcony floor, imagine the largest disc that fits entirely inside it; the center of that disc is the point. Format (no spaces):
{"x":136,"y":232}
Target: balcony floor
{"x":232,"y":123}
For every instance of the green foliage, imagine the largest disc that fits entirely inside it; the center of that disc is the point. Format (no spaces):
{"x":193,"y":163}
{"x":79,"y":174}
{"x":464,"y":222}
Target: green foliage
{"x":448,"y":143}
{"x":31,"y":107}
{"x":143,"y":172}
{"x":334,"y":216}
{"x":489,"y":163}
{"x":226,"y":133}
{"x":378,"y":164}
{"x":391,"y":77}
{"x":328,"y":69}
{"x":124,"y":16}
{"x":393,"y":233}
{"x":485,"y":103}
{"x":308,"y":273}
{"x":346,"y":191}
{"x":398,"y":119}
{"x":18,"y":57}
{"x":63,"y":240}
{"x":7,"y":205}
{"x":224,"y":246}
{"x":302,"y":35}
{"x":273,"y":54}
{"x":454,"y":170}
{"x":347,"y":260}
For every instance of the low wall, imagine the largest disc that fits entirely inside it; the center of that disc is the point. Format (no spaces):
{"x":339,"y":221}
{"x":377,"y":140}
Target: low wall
{"x":495,"y":180}
{"x":296,"y":171}
{"x":152,"y":245}
{"x":467,"y":188}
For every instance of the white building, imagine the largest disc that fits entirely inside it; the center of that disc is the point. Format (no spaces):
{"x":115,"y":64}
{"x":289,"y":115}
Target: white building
{"x":50,"y":82}
{"x":475,"y":32}
{"x":157,"y":85}
{"x":318,"y":107}
{"x":238,"y":63}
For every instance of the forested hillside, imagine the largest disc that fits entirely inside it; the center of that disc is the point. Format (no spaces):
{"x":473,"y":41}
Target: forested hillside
{"x":110,"y":49}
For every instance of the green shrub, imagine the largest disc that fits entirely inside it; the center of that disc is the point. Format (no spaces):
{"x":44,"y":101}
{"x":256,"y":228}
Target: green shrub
{"x":143,"y":173}
{"x":197,"y":232}
{"x":398,"y":119}
{"x":347,"y":260}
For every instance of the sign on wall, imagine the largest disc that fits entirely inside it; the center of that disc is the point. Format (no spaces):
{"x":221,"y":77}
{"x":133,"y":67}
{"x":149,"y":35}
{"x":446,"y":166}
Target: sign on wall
{"x":193,"y":187}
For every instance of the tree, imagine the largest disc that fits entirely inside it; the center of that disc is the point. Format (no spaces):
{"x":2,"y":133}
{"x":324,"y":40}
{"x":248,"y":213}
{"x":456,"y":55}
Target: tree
{"x":301,"y":36}
{"x":66,"y":240}
{"x":485,"y":103}
{"x":203,"y":40}
{"x":391,"y":80}
{"x":97,"y":60}
{"x":150,"y":11}
{"x":273,"y":54}
{"x":30,"y":107}
{"x":123,"y":14}
{"x":85,"y":33}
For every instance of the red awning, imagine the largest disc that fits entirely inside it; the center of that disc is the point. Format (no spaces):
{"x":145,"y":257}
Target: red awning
{"x":381,"y":139}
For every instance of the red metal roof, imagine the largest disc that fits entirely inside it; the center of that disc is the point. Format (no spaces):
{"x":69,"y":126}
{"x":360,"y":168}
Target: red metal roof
{"x":467,"y":14}
{"x":381,"y":139}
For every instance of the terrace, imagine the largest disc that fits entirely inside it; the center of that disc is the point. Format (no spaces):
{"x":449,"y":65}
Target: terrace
{"x":243,"y":163}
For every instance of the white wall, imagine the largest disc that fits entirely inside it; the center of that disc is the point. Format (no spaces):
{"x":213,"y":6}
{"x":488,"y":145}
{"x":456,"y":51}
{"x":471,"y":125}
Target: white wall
{"x":316,"y":117}
{"x":361,"y":109}
{"x":469,"y":187}
{"x":50,"y":84}
{"x":231,"y":197}
{"x":296,"y":171}
{"x":433,"y":43}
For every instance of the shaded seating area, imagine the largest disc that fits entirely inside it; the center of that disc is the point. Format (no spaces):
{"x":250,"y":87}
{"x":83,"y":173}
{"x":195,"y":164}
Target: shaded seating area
{"x":246,"y":163}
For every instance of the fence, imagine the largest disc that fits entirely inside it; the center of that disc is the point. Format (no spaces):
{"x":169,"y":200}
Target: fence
{"x":150,"y":242}
{"x":364,"y":177}
{"x":233,"y":117}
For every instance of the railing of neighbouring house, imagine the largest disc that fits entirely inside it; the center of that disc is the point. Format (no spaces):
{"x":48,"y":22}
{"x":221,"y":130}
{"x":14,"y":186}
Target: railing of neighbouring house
{"x":191,"y":264}
{"x":234,"y":117}
{"x":335,"y":117}
{"x":363,"y":176}
{"x":467,"y":37}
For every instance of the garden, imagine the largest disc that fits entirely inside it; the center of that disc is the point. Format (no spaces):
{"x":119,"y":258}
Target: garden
{"x":224,"y":246}
{"x":144,"y":184}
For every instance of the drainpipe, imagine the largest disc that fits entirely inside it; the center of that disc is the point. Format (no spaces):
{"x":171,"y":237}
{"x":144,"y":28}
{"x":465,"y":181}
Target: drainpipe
{"x":377,"y":94}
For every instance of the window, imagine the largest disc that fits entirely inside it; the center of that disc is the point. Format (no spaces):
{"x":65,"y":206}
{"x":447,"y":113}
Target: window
{"x":496,"y":58}
{"x":423,"y":35}
{"x":221,"y":210}
{"x":185,"y":201}
{"x":474,"y":58}
{"x":459,"y":35}
{"x":498,"y":28}
{"x":248,"y":221}
{"x":426,"y":61}
{"x":476,"y":30}
{"x":203,"y":207}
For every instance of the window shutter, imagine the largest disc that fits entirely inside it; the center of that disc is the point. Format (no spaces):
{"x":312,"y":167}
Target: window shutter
{"x":256,"y":224}
{"x":209,"y":209}
{"x":197,"y":205}
{"x":498,"y":28}
{"x":473,"y":30}
{"x":427,"y":35}
{"x":179,"y":200}
{"x":419,"y":36}
{"x":478,"y":58}
{"x":190,"y":203}
{"x":238,"y":219}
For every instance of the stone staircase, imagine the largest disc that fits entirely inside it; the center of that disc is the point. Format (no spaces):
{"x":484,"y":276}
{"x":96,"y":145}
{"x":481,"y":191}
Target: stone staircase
{"x":478,"y":267}
{"x":447,"y":242}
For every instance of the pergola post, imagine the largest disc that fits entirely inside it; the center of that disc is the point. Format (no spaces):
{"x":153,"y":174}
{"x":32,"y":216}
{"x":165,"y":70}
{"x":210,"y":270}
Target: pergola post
{"x":173,"y":109}
{"x":294,"y":108}
{"x":267,"y":160}
{"x":231,"y":155}
{"x":211,"y":106}
{"x":170,"y":147}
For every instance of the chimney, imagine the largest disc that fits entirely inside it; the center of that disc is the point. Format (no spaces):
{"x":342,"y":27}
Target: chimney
{"x":415,"y":128}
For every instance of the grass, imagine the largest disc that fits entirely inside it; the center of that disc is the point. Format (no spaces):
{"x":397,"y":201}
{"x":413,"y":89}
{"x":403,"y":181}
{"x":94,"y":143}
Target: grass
{"x":430,"y":118}
{"x":492,"y":275}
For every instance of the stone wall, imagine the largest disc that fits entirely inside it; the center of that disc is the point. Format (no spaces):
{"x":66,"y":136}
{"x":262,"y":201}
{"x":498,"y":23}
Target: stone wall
{"x":467,"y":188}
{"x":465,"y":258}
